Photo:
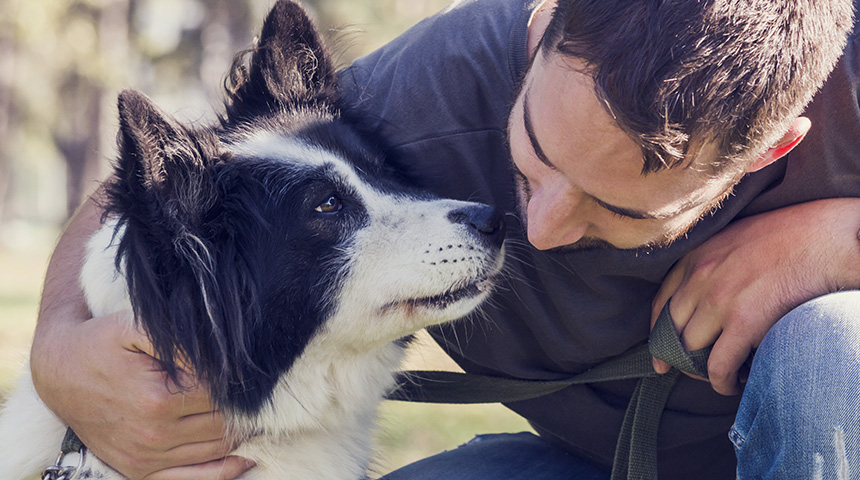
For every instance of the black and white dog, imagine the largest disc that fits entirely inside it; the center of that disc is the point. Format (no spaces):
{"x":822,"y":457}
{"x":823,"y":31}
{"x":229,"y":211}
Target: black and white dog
{"x":276,"y":255}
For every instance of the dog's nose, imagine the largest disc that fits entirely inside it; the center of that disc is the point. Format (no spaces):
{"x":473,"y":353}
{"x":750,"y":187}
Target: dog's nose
{"x":487,"y":222}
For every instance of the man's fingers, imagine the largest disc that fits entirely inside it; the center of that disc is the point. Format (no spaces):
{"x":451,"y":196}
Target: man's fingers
{"x":702,"y":328}
{"x":201,"y":452}
{"x":202,"y":435}
{"x":200,"y":455}
{"x":696,"y":330}
{"x":660,"y":366}
{"x":225,"y":469}
{"x":207,"y":427}
{"x":184,"y":397}
{"x":728,"y":358}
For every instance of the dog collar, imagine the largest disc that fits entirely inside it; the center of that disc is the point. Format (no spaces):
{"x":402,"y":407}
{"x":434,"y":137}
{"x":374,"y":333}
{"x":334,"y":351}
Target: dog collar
{"x":69,"y":462}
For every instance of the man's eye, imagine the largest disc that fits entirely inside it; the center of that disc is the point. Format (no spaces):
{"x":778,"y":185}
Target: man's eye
{"x":331,"y":205}
{"x":618,"y":215}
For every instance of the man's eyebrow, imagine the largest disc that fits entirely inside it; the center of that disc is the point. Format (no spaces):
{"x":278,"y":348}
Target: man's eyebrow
{"x":530,"y":132}
{"x":624,"y":212}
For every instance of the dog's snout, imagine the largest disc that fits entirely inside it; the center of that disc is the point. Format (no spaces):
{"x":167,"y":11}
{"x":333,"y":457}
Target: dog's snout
{"x":487,"y":222}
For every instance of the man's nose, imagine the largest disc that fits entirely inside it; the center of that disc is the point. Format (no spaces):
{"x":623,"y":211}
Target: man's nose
{"x":554,"y":220}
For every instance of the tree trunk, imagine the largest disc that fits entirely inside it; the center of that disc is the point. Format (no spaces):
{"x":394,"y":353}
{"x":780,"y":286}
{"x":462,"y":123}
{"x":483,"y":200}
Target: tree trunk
{"x":7,"y":68}
{"x":82,"y":136}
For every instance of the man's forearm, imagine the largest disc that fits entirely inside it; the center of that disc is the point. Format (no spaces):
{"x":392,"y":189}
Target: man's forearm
{"x":62,"y":302}
{"x":844,"y":265}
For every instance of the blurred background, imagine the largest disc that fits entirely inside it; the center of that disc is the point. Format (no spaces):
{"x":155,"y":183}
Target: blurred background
{"x":62,"y":64}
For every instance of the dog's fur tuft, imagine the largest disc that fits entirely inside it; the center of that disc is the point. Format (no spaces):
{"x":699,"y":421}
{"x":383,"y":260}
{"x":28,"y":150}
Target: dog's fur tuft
{"x":289,"y":69}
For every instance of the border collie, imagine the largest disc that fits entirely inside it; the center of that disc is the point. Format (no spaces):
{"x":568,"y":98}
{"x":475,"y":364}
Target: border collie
{"x":279,"y":256}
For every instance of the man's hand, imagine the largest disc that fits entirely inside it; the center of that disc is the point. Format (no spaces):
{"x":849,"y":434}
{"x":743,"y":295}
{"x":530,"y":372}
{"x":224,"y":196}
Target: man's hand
{"x":99,"y":377}
{"x":115,"y":396}
{"x":732,"y":289}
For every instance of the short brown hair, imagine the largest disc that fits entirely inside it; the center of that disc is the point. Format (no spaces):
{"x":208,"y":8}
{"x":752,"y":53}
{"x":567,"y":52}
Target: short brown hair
{"x":733,"y":72}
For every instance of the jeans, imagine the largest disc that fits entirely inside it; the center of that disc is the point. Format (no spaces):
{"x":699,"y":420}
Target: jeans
{"x":799,"y":417}
{"x":501,"y":456}
{"x":800,"y":413}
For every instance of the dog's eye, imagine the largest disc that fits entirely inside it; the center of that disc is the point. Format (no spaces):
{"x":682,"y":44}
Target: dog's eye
{"x":331,"y":205}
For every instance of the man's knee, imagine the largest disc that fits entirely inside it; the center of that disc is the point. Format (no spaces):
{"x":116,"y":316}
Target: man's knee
{"x":825,"y":329}
{"x":800,"y":407}
{"x":809,"y":362}
{"x":808,"y":365}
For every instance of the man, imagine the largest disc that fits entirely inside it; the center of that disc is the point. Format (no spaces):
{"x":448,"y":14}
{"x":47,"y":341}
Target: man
{"x":649,"y":143}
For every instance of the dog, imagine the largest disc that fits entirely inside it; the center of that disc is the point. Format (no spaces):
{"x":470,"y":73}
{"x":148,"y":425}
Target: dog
{"x":278,"y":255}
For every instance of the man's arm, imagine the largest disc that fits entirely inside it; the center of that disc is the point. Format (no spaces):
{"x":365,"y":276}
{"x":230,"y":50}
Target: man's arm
{"x":97,"y":375}
{"x":733,"y":288}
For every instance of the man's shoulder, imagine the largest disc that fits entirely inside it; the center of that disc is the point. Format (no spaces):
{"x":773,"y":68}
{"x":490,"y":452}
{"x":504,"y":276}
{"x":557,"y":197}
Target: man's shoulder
{"x":826,"y":163}
{"x":454,"y":70}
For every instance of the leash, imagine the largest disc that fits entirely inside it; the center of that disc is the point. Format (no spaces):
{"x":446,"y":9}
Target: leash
{"x":61,"y":470}
{"x":636,"y":448}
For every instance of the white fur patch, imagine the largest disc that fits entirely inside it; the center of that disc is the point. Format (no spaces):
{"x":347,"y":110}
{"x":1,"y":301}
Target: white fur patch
{"x":269,"y":145}
{"x":111,"y":295}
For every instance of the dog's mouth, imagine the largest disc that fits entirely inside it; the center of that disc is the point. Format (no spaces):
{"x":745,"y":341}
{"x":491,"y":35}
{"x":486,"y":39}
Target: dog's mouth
{"x":447,"y":299}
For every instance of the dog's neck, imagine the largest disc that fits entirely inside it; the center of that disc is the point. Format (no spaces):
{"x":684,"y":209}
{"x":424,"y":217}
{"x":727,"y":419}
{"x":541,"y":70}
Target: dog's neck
{"x":320,"y":423}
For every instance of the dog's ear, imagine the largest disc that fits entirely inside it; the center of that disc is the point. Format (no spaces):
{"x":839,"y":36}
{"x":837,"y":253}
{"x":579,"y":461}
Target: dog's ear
{"x":289,"y":67}
{"x":164,"y":193}
{"x":161,"y":162}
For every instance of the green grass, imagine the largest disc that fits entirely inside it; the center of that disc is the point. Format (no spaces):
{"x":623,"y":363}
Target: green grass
{"x":411,"y":431}
{"x":408,"y":431}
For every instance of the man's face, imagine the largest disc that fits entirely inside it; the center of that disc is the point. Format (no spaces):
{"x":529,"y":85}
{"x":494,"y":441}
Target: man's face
{"x":580,"y":176}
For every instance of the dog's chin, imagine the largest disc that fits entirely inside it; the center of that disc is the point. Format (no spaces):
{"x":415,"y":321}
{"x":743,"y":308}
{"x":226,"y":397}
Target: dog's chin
{"x":450,"y":299}
{"x":451,"y":304}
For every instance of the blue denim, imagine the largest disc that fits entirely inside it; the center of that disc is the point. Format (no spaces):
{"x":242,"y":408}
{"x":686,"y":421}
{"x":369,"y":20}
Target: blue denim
{"x":799,"y":417}
{"x":800,"y":413}
{"x":508,"y":456}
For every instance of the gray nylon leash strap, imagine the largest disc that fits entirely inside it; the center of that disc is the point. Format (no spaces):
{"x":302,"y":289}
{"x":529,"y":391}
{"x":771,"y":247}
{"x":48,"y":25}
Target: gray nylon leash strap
{"x":71,"y":442}
{"x":433,"y":386}
{"x":636,"y":449}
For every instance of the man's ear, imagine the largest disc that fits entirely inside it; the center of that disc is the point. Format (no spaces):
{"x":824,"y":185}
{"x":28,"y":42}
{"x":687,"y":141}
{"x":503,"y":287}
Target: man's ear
{"x":792,"y":137}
